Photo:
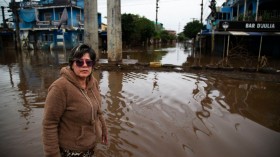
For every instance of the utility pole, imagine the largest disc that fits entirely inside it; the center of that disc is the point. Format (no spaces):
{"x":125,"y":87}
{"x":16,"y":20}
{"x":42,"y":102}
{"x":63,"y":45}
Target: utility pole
{"x":201,"y":21}
{"x":3,"y":15}
{"x":16,"y":16}
{"x":157,"y":13}
{"x":91,"y":25}
{"x":193,"y":19}
{"x":201,"y":17}
{"x":257,"y":10}
{"x":212,"y":6}
{"x":245,"y":10}
{"x":114,"y":31}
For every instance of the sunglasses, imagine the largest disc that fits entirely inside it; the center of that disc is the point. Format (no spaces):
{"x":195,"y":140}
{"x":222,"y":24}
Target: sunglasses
{"x":81,"y":62}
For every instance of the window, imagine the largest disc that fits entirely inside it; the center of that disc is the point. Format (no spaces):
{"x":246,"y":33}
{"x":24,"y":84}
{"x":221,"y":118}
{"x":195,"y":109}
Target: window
{"x":78,"y":18}
{"x":59,"y":15}
{"x":80,"y":37}
{"x":47,"y":38}
{"x":48,"y":16}
{"x":31,"y":38}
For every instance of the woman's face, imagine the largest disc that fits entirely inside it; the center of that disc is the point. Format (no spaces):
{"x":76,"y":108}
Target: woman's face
{"x":82,"y":67}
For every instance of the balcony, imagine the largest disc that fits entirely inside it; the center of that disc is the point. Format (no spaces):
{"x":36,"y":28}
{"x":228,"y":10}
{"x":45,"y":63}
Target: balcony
{"x":263,"y":15}
{"x":269,"y":15}
{"x":32,"y":4}
{"x":59,"y":2}
{"x":51,"y":25}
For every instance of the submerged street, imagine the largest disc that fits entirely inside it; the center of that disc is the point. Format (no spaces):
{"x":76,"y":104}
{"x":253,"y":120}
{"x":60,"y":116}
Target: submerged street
{"x":149,"y":113}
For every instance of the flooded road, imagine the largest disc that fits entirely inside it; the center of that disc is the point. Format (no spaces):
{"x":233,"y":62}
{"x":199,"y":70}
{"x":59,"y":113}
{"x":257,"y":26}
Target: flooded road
{"x":148,"y":113}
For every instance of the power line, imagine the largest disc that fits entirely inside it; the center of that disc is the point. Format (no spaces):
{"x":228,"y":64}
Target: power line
{"x":149,"y":3}
{"x":5,"y":2}
{"x":206,"y":10}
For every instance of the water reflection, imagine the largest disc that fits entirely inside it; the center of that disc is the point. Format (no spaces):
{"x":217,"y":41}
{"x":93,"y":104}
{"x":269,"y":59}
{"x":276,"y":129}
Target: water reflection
{"x":171,"y":113}
{"x":155,"y":84}
{"x":116,"y":106}
{"x":176,"y":55}
{"x":148,"y":113}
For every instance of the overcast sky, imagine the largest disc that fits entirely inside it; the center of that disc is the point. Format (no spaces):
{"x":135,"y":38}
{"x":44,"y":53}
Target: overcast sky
{"x":173,"y":14}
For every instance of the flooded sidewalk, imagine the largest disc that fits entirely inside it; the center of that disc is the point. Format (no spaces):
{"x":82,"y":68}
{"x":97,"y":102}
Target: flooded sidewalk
{"x":180,"y":58}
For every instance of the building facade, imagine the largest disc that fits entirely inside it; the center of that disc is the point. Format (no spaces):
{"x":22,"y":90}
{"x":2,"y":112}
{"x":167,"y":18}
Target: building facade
{"x":51,"y":23}
{"x":244,"y":27}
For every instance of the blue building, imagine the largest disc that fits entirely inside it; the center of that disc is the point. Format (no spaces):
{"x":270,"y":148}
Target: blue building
{"x":49,"y":23}
{"x":251,"y":26}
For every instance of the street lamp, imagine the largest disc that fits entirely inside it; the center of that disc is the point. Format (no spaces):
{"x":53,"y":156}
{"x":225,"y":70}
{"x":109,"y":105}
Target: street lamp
{"x":225,"y":25}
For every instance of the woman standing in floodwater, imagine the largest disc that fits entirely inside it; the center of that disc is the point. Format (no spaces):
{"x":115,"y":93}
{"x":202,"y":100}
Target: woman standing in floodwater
{"x":72,"y":112}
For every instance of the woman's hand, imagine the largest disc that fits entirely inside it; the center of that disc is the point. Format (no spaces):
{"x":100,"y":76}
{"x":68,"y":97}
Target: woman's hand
{"x":104,"y":138}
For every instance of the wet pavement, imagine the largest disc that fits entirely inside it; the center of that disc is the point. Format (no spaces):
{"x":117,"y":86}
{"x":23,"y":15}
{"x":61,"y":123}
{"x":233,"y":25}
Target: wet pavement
{"x":149,"y":112}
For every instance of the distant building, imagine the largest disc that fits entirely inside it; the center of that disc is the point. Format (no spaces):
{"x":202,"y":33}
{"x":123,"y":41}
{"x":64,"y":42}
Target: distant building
{"x":171,"y":32}
{"x":103,"y":27}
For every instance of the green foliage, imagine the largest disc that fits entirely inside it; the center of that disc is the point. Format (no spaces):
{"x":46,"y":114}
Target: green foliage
{"x":181,"y":37}
{"x":146,"y":28}
{"x":240,"y":17}
{"x":165,"y":37}
{"x":172,"y":36}
{"x":214,"y":23}
{"x":128,"y":27}
{"x":265,"y":16}
{"x":136,"y":29}
{"x":192,"y":28}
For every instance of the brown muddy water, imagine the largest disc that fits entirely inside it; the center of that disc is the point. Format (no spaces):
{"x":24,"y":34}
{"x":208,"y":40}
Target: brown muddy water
{"x":149,"y":113}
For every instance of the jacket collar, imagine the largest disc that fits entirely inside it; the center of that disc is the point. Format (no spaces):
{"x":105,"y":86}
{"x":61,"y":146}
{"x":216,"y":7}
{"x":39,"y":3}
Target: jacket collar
{"x":71,"y":76}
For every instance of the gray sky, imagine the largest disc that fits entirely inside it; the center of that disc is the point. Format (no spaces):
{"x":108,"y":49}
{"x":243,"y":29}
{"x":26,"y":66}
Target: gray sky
{"x":173,"y":14}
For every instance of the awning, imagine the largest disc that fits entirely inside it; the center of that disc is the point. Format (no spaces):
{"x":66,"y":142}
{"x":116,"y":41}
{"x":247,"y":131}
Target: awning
{"x":242,"y":33}
{"x":27,"y":15}
{"x":235,"y":33}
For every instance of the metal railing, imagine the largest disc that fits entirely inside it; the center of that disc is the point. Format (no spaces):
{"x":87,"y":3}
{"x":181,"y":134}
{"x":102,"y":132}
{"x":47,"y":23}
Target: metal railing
{"x":263,"y":15}
{"x":269,"y":15}
{"x":31,"y":4}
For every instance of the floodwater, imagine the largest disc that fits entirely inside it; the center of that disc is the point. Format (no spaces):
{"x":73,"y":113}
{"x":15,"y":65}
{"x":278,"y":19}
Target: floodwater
{"x":149,"y":113}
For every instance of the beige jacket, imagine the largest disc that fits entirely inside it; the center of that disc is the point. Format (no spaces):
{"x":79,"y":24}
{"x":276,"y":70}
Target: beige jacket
{"x":68,"y":114}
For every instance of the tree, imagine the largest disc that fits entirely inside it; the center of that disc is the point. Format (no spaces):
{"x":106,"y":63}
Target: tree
{"x":167,"y":37}
{"x":181,"y":37}
{"x":213,"y":13}
{"x":146,"y":29}
{"x":164,"y":36}
{"x":128,"y":28}
{"x":136,"y":30}
{"x":192,"y":28}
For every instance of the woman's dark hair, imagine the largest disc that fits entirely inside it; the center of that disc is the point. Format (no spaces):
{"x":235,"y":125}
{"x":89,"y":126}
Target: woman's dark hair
{"x":78,"y":51}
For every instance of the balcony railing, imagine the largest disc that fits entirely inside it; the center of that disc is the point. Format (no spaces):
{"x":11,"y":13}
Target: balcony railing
{"x":62,"y":2}
{"x":263,"y":15}
{"x":269,"y":15}
{"x":31,"y":4}
{"x":51,"y":24}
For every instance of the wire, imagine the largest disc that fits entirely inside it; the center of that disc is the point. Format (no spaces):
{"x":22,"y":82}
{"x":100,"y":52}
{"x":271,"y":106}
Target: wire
{"x":5,"y":2}
{"x":206,"y":10}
